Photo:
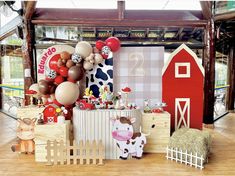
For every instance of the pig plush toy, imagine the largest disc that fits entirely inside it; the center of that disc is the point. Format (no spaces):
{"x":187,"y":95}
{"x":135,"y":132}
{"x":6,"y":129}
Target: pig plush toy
{"x":128,"y":141}
{"x":25,"y":133}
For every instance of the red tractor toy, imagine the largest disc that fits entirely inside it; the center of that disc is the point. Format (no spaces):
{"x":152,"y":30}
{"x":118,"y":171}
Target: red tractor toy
{"x":83,"y":105}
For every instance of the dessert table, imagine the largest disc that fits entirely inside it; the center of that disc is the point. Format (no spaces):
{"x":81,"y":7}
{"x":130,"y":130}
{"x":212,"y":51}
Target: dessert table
{"x":96,"y":125}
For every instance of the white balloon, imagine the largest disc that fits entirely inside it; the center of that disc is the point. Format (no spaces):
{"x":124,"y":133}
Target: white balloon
{"x":84,"y":49}
{"x":87,"y":65}
{"x":67,"y":93}
{"x":98,"y":58}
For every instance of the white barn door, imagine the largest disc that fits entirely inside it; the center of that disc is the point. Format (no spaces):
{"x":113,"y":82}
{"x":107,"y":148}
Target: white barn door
{"x":182,"y":112}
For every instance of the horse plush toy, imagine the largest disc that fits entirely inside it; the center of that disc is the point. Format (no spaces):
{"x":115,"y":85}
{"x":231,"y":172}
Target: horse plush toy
{"x":128,"y":141}
{"x":25,"y":133}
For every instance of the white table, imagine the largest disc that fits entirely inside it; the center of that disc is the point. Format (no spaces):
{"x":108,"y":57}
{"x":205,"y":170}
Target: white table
{"x":96,"y":125}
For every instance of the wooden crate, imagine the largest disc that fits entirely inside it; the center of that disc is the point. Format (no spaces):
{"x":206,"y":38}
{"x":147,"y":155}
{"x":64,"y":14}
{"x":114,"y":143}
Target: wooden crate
{"x":159,"y":136}
{"x":50,"y":132}
{"x":29,"y":112}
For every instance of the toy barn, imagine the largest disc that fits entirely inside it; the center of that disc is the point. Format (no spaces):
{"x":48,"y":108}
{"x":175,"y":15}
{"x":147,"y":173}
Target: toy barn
{"x":117,"y":87}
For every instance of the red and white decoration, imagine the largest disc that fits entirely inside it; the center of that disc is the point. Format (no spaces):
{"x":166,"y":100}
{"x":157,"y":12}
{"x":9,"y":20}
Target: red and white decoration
{"x":182,"y":88}
{"x":51,"y":53}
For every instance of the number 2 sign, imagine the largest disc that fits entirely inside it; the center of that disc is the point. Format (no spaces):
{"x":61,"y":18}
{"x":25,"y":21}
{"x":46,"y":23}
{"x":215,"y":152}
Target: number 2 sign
{"x":136,"y":61}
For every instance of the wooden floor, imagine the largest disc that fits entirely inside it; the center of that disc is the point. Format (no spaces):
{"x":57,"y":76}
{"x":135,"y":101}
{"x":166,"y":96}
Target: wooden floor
{"x":221,"y":161}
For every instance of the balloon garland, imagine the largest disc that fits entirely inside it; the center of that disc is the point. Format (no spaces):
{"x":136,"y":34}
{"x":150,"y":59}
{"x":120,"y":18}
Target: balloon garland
{"x":60,"y":88}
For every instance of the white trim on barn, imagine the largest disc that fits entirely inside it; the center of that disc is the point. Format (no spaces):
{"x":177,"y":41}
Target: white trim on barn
{"x":181,"y":121}
{"x":183,"y":46}
{"x":182,"y":75}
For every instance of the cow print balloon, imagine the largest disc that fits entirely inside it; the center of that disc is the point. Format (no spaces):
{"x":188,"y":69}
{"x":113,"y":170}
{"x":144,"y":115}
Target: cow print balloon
{"x":105,"y":50}
{"x":76,"y":58}
{"x":51,"y":74}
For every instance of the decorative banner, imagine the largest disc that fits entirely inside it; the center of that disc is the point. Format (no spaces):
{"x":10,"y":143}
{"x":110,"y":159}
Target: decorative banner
{"x":101,"y":74}
{"x":50,"y":53}
{"x":182,"y":88}
{"x":140,"y":69}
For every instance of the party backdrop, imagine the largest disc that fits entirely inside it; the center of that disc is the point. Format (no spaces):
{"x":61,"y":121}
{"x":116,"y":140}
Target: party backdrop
{"x":101,"y":74}
{"x":140,"y":69}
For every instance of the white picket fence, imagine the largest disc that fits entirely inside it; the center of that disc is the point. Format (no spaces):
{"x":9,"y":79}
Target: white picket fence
{"x":184,"y":157}
{"x":88,"y":152}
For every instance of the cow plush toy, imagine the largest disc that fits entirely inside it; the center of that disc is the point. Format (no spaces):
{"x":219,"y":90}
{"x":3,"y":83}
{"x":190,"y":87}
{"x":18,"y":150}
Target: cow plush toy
{"x":128,"y":141}
{"x":25,"y":133}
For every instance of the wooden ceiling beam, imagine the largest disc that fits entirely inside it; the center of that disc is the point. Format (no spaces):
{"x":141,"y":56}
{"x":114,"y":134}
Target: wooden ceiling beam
{"x":121,"y":9}
{"x":206,"y":9}
{"x":30,"y":7}
{"x":123,"y":23}
{"x":225,"y":16}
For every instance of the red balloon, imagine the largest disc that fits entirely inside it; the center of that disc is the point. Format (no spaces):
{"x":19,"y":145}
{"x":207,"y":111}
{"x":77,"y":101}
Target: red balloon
{"x":49,"y":114}
{"x":63,"y":71}
{"x":53,"y":62}
{"x":113,"y":43}
{"x":99,"y":44}
{"x":59,"y":79}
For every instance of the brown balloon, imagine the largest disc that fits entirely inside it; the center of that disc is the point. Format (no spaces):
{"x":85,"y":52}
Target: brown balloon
{"x":69,"y":63}
{"x":65,"y":55}
{"x":60,"y":63}
{"x":80,"y":64}
{"x":64,"y":61}
{"x":44,"y":87}
{"x":52,"y":88}
{"x":76,"y":73}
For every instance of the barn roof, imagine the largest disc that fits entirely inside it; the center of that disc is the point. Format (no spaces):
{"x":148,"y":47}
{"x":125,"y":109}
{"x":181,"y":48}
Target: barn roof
{"x":183,"y":46}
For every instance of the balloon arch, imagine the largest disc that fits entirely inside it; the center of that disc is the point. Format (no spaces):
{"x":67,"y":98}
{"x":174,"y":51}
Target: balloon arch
{"x":62,"y":67}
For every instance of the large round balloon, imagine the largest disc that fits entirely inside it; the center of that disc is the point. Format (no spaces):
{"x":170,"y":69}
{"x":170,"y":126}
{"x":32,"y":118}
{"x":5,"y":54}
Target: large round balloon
{"x":67,"y":93}
{"x":53,"y":62}
{"x":76,"y":73}
{"x":113,"y":43}
{"x":44,"y":87}
{"x":99,"y":44}
{"x":83,"y":48}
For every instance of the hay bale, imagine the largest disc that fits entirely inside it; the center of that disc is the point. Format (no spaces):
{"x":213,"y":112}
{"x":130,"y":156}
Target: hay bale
{"x":192,"y":140}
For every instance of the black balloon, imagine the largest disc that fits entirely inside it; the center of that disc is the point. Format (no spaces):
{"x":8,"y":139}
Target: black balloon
{"x":76,"y":73}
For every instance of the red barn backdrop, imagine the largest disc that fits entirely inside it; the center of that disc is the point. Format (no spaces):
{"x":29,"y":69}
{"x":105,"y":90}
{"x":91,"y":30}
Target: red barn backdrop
{"x":182,"y":88}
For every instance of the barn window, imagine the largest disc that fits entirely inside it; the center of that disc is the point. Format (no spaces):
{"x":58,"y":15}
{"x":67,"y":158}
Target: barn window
{"x":182,"y":70}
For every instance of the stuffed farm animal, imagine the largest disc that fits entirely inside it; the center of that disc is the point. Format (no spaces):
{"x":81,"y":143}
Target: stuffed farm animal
{"x":128,"y":141}
{"x":25,"y":133}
